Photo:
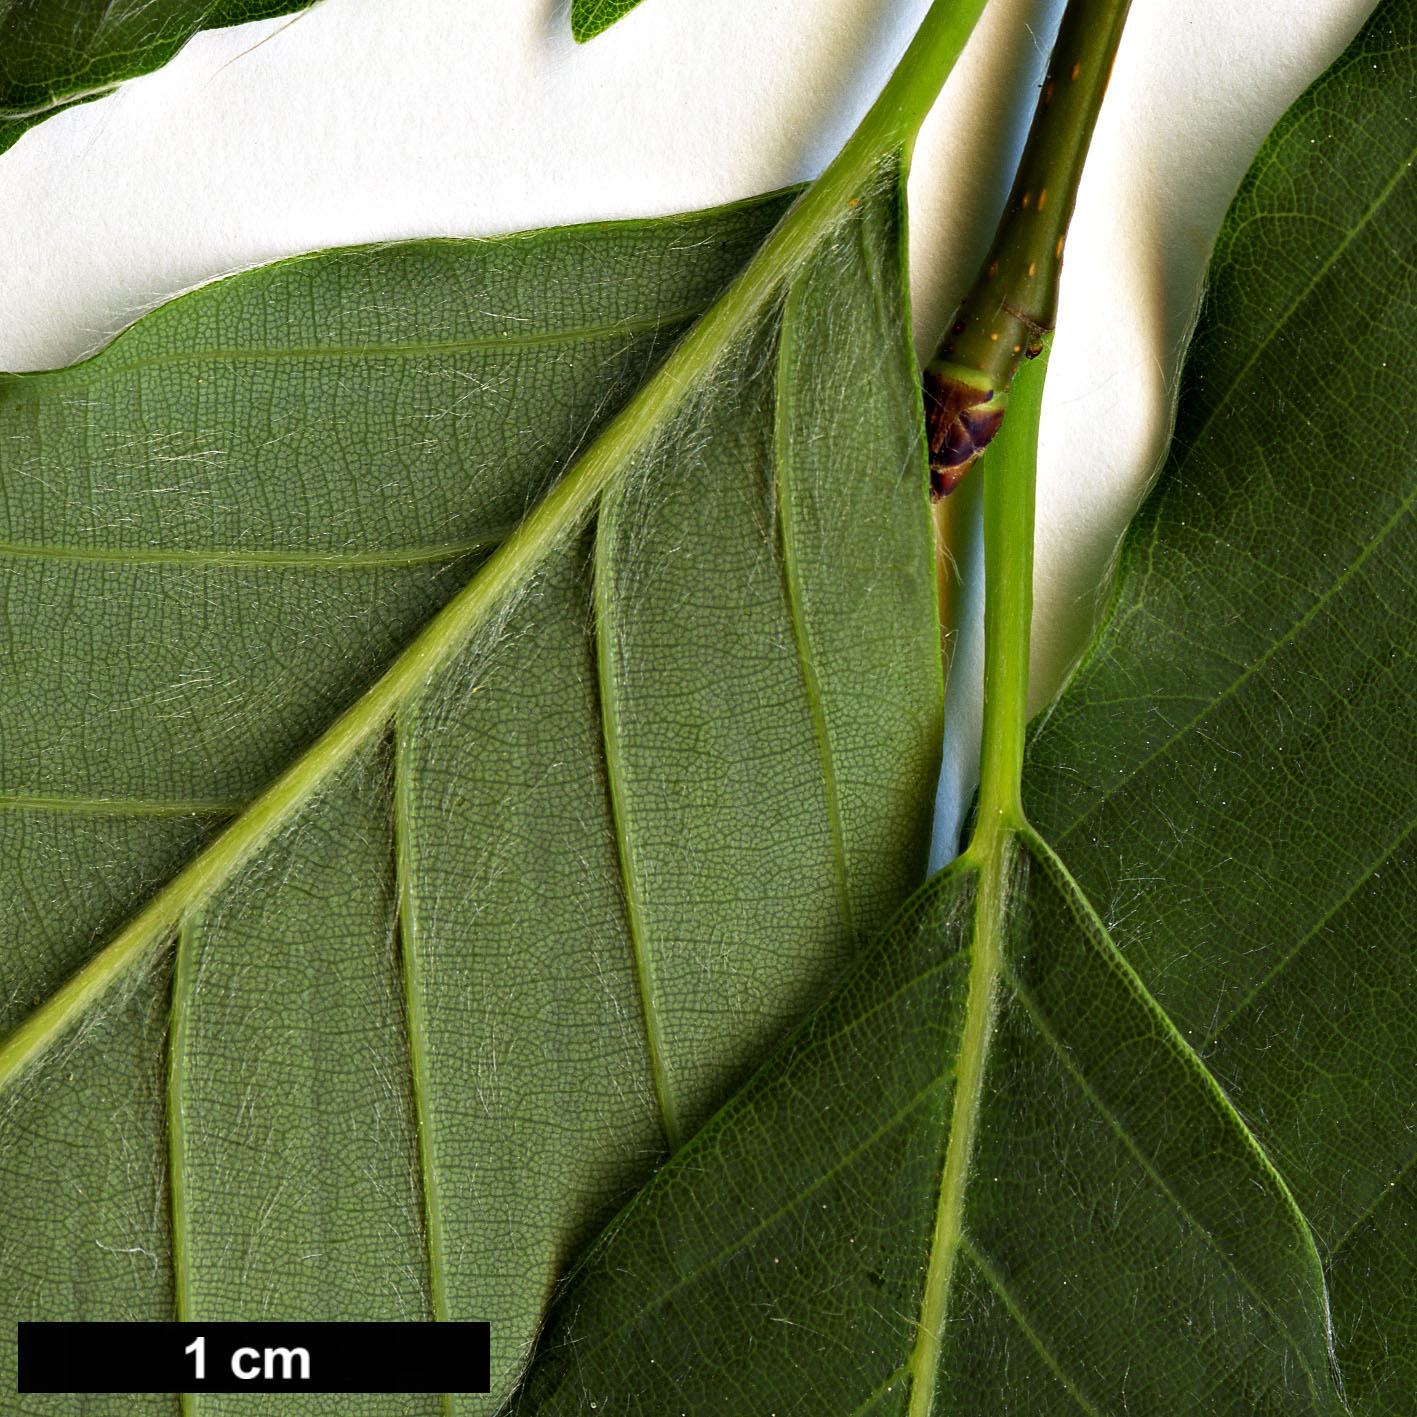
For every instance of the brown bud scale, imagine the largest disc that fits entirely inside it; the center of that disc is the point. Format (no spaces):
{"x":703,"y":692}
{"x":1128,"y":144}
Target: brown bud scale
{"x":959,"y":422}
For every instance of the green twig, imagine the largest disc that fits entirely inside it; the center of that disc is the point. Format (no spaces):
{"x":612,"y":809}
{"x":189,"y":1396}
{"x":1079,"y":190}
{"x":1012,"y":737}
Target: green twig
{"x":1014,"y":300}
{"x":1006,"y":318}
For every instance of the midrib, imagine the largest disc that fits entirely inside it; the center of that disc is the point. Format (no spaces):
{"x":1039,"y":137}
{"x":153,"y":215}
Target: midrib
{"x":986,"y":967}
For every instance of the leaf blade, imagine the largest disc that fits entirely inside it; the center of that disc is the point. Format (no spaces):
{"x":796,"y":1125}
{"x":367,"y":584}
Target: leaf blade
{"x":57,"y":55}
{"x":1297,"y":658}
{"x":590,"y":17}
{"x":689,"y":258}
{"x":1192,"y":1186}
{"x":497,"y":1236}
{"x":794,"y":1253}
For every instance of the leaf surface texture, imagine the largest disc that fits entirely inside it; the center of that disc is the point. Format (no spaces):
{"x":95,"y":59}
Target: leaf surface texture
{"x":1189,"y":1052}
{"x":56,"y":53}
{"x":412,"y":1055}
{"x":590,"y":17}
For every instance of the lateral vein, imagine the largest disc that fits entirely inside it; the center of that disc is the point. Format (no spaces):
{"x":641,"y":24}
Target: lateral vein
{"x":793,"y":589}
{"x":120,"y":806}
{"x":278,"y":560}
{"x":82,"y":375}
{"x":1061,"y":1052}
{"x":764,"y":1222}
{"x":996,"y":1283}
{"x":656,"y":1044}
{"x":416,"y":1024}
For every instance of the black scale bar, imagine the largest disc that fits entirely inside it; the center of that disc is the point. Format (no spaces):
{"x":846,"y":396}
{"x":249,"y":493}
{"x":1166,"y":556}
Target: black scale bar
{"x":255,"y":1357}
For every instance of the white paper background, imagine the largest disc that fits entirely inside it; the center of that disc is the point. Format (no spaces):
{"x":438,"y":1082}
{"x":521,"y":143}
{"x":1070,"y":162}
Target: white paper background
{"x":362,"y":120}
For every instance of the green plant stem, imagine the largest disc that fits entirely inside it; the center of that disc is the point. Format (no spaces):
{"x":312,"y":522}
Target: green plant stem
{"x":885,"y":136}
{"x":1008,"y":568}
{"x":1013,"y":302}
{"x":1016,"y":294}
{"x":1028,"y":243}
{"x":1009,"y":494}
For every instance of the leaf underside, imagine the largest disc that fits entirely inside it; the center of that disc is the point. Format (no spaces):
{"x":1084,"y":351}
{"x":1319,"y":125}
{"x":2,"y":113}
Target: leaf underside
{"x":788,"y":1240}
{"x":596,"y":868}
{"x":1191,"y":1183}
{"x":58,"y":53}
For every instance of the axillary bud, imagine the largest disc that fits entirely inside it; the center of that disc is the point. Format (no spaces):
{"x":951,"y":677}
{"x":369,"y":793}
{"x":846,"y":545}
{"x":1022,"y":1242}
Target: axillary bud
{"x":962,"y":414}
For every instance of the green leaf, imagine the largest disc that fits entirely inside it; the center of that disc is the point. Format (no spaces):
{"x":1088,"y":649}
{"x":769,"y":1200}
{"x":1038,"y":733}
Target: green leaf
{"x":544,"y":893}
{"x":1122,"y":1232}
{"x":220,"y":529}
{"x":590,"y":17}
{"x":396,"y":1037}
{"x":58,"y":53}
{"x":1250,"y":710}
{"x":217,"y":532}
{"x":1141,"y":1141}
